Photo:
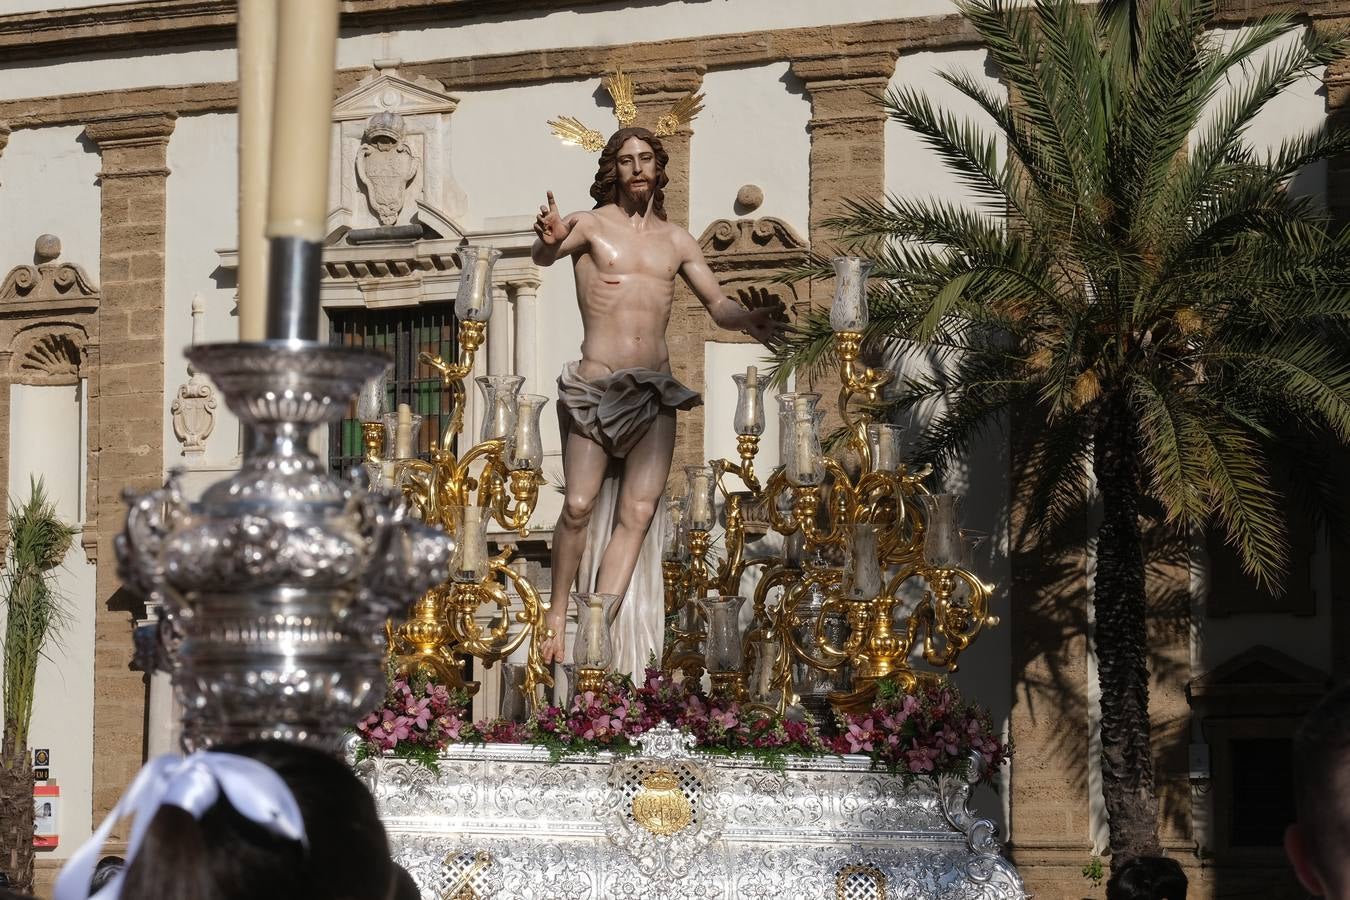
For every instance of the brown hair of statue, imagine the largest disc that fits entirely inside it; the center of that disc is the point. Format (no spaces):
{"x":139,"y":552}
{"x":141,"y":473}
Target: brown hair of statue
{"x":605,"y":189}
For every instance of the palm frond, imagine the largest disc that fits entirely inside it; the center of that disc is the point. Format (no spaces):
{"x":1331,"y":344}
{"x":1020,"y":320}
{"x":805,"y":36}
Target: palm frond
{"x":33,"y":607}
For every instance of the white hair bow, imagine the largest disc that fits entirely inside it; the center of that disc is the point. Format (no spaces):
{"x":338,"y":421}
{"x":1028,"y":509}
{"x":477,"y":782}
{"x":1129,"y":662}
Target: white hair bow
{"x":193,"y":783}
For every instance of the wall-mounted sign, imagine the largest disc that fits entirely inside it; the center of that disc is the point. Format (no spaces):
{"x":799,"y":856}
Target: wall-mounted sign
{"x":46,"y":800}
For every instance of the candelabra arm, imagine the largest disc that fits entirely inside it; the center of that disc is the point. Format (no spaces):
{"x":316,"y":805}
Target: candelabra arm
{"x":956,"y":624}
{"x":828,"y":580}
{"x":729,"y":572}
{"x":532,"y":620}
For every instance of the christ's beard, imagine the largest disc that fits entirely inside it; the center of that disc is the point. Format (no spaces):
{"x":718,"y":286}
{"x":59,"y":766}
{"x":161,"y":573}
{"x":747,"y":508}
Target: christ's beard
{"x":638,"y":192}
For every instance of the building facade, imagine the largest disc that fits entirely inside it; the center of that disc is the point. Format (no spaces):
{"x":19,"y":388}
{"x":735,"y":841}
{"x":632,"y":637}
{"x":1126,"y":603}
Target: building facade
{"x":118,"y":136}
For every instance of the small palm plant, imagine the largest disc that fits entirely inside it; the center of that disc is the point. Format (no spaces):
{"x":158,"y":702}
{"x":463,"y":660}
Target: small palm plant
{"x":1134,"y":276}
{"x":38,"y":543}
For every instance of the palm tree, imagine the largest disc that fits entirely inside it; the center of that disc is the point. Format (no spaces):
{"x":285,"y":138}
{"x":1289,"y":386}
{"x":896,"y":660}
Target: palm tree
{"x":1138,"y":278}
{"x":38,"y":544}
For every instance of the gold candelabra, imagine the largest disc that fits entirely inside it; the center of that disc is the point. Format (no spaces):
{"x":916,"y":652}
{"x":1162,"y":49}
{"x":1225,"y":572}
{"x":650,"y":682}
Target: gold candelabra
{"x":495,"y":480}
{"x":857,"y":532}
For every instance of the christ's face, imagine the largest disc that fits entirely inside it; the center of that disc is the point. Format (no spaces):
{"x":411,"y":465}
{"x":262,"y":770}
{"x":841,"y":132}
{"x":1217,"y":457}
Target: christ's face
{"x":637,"y":169}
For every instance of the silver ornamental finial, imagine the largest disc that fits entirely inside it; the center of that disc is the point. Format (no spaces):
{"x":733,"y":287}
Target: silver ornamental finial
{"x":275,"y":586}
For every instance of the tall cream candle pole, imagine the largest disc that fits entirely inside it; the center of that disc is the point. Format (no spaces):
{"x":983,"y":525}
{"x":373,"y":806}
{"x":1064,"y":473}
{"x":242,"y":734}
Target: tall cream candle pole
{"x":257,"y":62}
{"x":298,"y":185}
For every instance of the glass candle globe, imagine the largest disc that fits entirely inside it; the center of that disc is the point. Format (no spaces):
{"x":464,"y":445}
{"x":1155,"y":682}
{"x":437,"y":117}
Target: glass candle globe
{"x":527,"y":447}
{"x":469,"y":563}
{"x":749,"y":418}
{"x":701,"y":496}
{"x":849,"y":310}
{"x":473,"y":299}
{"x":499,"y":405}
{"x":942,"y":545}
{"x":722,"y":652}
{"x":594,"y":648}
{"x":883,"y":446}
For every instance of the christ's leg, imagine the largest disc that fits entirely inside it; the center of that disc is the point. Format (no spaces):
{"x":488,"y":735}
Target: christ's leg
{"x":644,"y":480}
{"x":584,"y":463}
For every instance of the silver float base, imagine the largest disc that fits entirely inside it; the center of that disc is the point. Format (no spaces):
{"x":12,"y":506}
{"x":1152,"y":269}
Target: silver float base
{"x":506,"y":824}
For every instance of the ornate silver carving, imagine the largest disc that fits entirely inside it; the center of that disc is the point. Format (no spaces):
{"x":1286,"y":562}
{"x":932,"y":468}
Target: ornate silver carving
{"x":273,"y":586}
{"x":550,"y":829}
{"x":661,"y":858}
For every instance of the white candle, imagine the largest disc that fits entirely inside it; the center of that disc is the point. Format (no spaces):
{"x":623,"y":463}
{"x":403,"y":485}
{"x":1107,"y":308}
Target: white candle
{"x":805,"y":464}
{"x":257,"y":67}
{"x":403,"y":432}
{"x":699,"y":511}
{"x":593,"y":636}
{"x":751,"y":377}
{"x":302,"y":119}
{"x":473,"y":557}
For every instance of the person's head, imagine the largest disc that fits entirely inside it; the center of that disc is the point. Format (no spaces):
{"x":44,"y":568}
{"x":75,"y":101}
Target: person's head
{"x":632,"y":165}
{"x":1316,"y":842}
{"x":107,"y":867}
{"x":1147,"y":878}
{"x":221,"y":852}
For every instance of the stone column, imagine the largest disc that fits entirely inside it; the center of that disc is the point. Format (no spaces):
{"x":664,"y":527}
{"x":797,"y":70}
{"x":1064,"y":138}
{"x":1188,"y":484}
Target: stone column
{"x":848,"y":161}
{"x":1049,"y":825}
{"x":524,"y":300}
{"x":848,"y":158}
{"x":656,"y":91}
{"x":4,"y":137}
{"x":130,"y":414}
{"x":499,"y":333}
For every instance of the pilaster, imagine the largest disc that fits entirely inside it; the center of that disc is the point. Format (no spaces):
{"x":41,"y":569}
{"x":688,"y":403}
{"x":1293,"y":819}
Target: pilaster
{"x":130,"y":408}
{"x":654,"y":93}
{"x":848,"y":159}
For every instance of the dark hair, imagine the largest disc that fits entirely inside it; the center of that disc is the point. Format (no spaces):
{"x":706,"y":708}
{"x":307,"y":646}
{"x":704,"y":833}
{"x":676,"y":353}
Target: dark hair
{"x":107,"y":867}
{"x":1147,"y":878}
{"x":225,"y":856}
{"x":1322,"y":783}
{"x":405,"y":887}
{"x":605,"y":188}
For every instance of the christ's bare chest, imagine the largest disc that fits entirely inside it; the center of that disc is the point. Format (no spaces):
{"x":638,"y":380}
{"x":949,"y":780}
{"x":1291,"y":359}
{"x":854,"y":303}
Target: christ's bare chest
{"x":619,"y":249}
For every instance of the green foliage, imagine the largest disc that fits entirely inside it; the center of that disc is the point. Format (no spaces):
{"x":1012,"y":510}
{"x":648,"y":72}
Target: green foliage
{"x":38,"y":543}
{"x":1126,"y":250}
{"x":1095,"y":871}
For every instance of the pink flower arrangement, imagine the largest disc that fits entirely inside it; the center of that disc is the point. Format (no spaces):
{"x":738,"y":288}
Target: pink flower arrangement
{"x":929,"y":732}
{"x":420,"y":718}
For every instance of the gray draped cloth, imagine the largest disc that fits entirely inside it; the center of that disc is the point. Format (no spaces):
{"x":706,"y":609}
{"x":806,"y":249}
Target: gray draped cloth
{"x":615,"y":411}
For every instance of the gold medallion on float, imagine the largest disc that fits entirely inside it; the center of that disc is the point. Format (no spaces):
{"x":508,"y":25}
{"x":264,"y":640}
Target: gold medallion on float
{"x":660,"y":806}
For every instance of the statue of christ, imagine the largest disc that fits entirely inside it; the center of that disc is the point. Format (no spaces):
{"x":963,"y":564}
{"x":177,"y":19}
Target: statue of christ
{"x":616,"y":405}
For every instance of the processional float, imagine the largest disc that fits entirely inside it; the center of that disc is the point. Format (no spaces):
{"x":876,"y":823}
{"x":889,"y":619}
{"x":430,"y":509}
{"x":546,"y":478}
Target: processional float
{"x":277,"y":589}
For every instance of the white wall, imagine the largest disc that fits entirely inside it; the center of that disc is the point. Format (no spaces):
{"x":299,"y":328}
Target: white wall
{"x":623,"y":23}
{"x":602,"y":24}
{"x":201,"y":218}
{"x":45,"y":442}
{"x":48,"y":183}
{"x":752,"y":131}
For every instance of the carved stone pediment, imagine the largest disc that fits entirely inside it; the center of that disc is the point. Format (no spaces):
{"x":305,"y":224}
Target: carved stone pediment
{"x":392,"y":165}
{"x":766,"y":243}
{"x":1260,"y":680}
{"x":58,"y":285}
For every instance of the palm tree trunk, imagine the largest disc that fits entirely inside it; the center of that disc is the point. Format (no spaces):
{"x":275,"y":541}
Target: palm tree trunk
{"x":1121,"y":641}
{"x":16,"y":814}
